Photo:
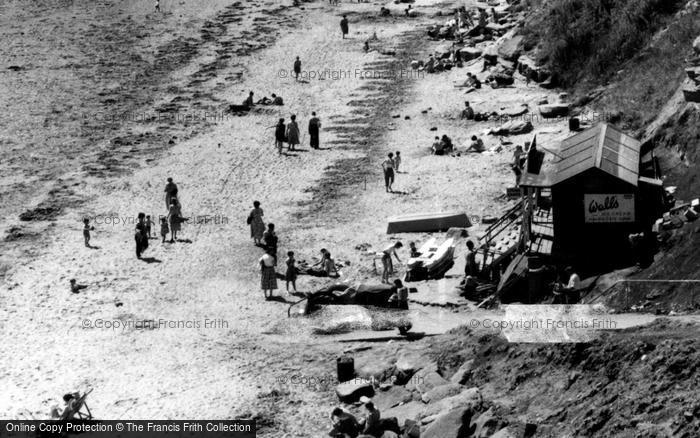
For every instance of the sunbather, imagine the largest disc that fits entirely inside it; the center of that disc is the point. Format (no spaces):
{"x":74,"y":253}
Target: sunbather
{"x":399,"y":296}
{"x":477,"y":145}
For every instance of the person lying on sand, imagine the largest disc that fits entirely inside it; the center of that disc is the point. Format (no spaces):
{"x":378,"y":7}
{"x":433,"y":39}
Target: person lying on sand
{"x":275,"y":100}
{"x":75,"y":287}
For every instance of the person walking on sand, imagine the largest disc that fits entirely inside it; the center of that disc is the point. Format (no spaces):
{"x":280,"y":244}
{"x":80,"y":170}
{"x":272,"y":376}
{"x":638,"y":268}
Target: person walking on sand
{"x":164,"y":229}
{"x":174,"y":218}
{"x":290,"y":275}
{"x":86,"y":232}
{"x":314,"y":129}
{"x":257,"y":226}
{"x":388,"y":167}
{"x":170,"y":190}
{"x":292,"y":133}
{"x":344,"y":26}
{"x":387,"y":264}
{"x":280,"y":136}
{"x":268,"y":276}
{"x":397,"y":161}
{"x":297,"y":68}
{"x":140,"y":235}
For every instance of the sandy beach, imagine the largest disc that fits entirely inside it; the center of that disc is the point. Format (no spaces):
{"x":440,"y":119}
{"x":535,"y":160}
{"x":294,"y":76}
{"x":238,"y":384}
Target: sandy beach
{"x":331,"y":198}
{"x":95,"y":129}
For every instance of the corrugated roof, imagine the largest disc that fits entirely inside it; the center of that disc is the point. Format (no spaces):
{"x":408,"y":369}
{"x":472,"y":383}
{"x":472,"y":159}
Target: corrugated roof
{"x":601,"y":146}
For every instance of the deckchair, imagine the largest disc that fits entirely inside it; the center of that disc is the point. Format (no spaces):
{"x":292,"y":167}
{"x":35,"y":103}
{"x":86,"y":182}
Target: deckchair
{"x":77,"y":408}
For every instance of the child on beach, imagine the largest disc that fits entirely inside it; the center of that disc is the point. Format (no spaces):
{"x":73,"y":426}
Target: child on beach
{"x":86,"y":231}
{"x":164,"y":229}
{"x":291,"y":275}
{"x":148,"y":226}
{"x":397,"y":161}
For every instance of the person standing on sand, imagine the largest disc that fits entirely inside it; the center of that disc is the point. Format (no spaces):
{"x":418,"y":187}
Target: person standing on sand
{"x":290,"y":275}
{"x":86,"y":231}
{"x":270,"y":240}
{"x":280,"y":136}
{"x":344,"y":26}
{"x":268,"y":276}
{"x":297,"y":68}
{"x":314,"y":128}
{"x":174,"y":218}
{"x":471,"y":267}
{"x":140,"y":235}
{"x":170,"y":189}
{"x":257,"y":226}
{"x":397,"y":161}
{"x":164,"y":229}
{"x":387,"y":263}
{"x":157,"y":5}
{"x":292,"y":133}
{"x":388,"y":167}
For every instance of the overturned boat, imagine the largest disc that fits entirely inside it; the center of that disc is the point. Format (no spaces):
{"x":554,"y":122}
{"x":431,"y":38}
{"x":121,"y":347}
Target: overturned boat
{"x":434,"y":260}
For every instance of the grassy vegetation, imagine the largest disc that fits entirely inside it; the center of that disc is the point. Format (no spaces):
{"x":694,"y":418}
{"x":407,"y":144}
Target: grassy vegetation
{"x":638,"y":45}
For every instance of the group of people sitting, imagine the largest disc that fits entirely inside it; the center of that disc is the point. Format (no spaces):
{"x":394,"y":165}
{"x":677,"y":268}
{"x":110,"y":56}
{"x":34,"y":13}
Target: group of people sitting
{"x":372,"y":425}
{"x":445,"y":62}
{"x":250,"y":102}
{"x":442,"y":146}
{"x":323,"y":268}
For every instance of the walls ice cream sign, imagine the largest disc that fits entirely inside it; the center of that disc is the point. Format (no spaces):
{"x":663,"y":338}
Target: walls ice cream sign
{"x":609,"y":208}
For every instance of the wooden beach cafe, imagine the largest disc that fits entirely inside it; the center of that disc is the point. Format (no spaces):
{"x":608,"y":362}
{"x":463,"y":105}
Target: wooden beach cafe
{"x":582,"y":209}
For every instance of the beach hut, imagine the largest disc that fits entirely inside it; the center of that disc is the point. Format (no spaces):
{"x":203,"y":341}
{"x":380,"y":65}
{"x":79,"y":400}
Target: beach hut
{"x":597,"y":198}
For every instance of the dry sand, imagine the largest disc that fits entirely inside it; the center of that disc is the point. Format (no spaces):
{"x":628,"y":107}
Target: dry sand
{"x":333,"y":198}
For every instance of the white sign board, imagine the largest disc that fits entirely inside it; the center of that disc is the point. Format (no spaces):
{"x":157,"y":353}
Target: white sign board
{"x":609,"y":208}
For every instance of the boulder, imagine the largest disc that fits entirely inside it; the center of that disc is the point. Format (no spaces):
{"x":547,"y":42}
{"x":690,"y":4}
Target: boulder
{"x":486,"y":424}
{"x":554,"y":110}
{"x":351,"y":391}
{"x":511,"y":48}
{"x":470,"y":398}
{"x":454,"y":424}
{"x":409,"y":362}
{"x":463,"y":373}
{"x":408,"y":411}
{"x":373,"y":367}
{"x":529,"y":68}
{"x":491,"y":55}
{"x":696,"y":45}
{"x":392,"y":396}
{"x":441,"y":392}
{"x":469,"y":53}
{"x":424,"y":382}
{"x":504,"y":433}
{"x":514,"y":127}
